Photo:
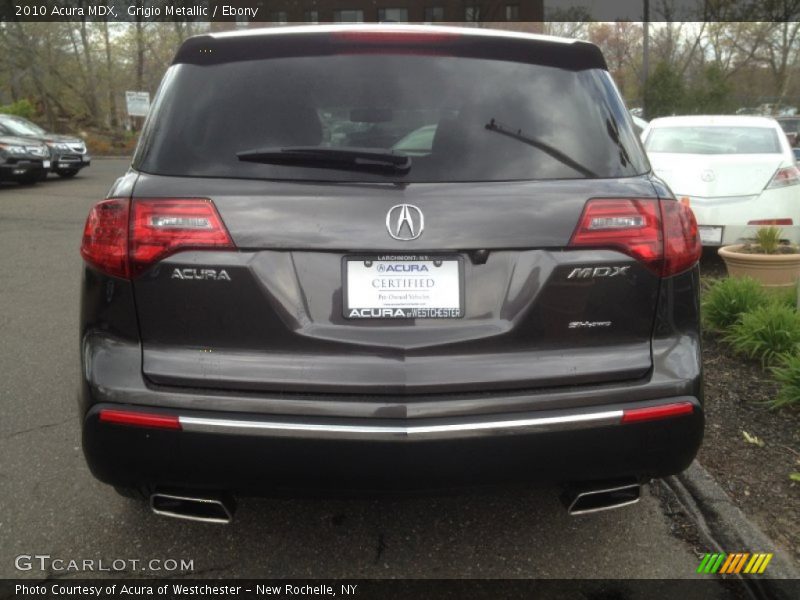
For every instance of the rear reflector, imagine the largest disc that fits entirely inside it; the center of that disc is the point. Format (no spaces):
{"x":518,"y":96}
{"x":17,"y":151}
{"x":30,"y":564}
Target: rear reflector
{"x":139,"y":419}
{"x":653,"y":413}
{"x":661,"y":234}
{"x":771,"y":222}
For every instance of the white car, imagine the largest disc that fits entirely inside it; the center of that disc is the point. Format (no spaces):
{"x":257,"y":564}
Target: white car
{"x":737,"y":173}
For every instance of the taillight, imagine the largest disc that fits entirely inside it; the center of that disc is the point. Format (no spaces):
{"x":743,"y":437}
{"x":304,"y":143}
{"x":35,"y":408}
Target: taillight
{"x":682,"y":245}
{"x":105,"y":237}
{"x":631,"y":226}
{"x":160,"y":227}
{"x":123,"y":238}
{"x":784,"y":177}
{"x":662,"y":235}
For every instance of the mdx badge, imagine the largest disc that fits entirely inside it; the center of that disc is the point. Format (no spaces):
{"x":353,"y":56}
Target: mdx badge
{"x":405,"y":222}
{"x":594,"y":272}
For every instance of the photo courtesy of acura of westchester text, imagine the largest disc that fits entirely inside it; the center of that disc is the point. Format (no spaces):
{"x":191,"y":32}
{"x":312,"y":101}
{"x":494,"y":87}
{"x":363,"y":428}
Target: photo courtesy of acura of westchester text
{"x":372,"y":297}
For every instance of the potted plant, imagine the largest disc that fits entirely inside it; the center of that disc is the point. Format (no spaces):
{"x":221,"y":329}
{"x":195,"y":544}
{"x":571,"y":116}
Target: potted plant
{"x":774,"y":264}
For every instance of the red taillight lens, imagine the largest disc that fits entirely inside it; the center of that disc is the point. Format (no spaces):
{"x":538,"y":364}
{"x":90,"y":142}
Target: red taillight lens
{"x":160,"y":227}
{"x":139,"y":419}
{"x":784,"y":177}
{"x":123,"y":238}
{"x":682,"y":245}
{"x":661,"y":234}
{"x":653,"y":413}
{"x":631,"y":226}
{"x":105,"y":237}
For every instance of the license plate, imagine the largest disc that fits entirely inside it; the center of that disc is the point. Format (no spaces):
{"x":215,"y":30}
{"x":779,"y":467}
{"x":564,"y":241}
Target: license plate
{"x":403,"y":287}
{"x":85,"y":158}
{"x":66,"y":165}
{"x":46,"y":164}
{"x":710,"y":234}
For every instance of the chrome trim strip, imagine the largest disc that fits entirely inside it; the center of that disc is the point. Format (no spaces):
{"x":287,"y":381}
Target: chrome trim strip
{"x":506,"y":426}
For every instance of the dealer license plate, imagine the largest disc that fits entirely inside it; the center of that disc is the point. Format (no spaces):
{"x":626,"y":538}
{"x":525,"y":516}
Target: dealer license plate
{"x":403,"y":287}
{"x":710,"y":235}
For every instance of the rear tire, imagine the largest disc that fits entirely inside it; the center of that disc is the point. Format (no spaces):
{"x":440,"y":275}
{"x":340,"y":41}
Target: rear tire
{"x":68,"y":174}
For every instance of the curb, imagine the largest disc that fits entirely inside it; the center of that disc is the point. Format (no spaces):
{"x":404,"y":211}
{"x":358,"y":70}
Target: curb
{"x":727,"y":529}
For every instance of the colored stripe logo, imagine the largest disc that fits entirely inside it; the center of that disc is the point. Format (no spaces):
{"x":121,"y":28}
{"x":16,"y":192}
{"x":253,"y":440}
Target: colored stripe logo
{"x":738,"y":562}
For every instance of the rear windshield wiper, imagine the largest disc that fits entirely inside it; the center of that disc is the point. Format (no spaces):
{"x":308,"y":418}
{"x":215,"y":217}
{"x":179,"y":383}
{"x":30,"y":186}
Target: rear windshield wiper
{"x":544,"y":147}
{"x":356,"y":159}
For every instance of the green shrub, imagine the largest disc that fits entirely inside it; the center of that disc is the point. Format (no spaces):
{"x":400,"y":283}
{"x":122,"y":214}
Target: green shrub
{"x":768,"y":239}
{"x":21,"y":108}
{"x":766,"y":333}
{"x":728,"y":299}
{"x":787,"y":373}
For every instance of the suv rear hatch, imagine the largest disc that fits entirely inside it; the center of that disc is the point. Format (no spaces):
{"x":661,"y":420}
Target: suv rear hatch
{"x":502,"y":143}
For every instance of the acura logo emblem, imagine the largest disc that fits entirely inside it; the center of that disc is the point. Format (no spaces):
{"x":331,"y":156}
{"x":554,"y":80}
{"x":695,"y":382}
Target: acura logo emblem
{"x":405,"y":222}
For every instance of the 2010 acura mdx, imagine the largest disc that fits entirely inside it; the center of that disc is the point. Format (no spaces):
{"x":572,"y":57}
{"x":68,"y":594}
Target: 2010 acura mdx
{"x":273,"y":296}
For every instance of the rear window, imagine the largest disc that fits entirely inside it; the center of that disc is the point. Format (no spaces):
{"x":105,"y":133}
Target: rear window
{"x":713,"y":140}
{"x":458,"y":119}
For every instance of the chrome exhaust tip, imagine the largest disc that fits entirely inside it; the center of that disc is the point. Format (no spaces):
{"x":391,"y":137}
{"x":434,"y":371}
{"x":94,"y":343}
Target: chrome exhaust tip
{"x":206,"y":508}
{"x":592,"y":498}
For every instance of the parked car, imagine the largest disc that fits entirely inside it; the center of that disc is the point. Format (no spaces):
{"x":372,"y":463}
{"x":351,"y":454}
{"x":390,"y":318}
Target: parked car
{"x":639,"y":124}
{"x":22,"y":160}
{"x":263,"y":308}
{"x":736,"y":172}
{"x":67,"y":152}
{"x":791,"y":126}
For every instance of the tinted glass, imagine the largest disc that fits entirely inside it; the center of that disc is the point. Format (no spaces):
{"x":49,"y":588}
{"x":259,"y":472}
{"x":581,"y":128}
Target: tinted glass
{"x":19,"y":126}
{"x":549,"y":123}
{"x":713,"y":140}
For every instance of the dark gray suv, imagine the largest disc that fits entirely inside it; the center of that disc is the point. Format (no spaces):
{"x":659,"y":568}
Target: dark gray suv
{"x":275,"y":296}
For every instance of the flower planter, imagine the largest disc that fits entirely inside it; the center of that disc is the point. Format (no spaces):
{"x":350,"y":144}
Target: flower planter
{"x":772,"y":271}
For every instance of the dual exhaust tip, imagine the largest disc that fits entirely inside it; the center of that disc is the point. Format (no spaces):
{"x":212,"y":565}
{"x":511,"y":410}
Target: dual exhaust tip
{"x":595,"y":497}
{"x":220,"y":507}
{"x":205,"y":508}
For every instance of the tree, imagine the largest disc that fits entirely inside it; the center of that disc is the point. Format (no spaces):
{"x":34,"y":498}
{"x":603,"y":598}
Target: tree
{"x":664,"y":91}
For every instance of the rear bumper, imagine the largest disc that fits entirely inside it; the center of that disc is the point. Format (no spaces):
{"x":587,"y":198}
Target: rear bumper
{"x":248,"y":452}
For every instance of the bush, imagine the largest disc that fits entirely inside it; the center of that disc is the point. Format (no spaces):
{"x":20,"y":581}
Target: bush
{"x":728,"y":299}
{"x":787,"y":373}
{"x":21,"y":108}
{"x":766,"y":333}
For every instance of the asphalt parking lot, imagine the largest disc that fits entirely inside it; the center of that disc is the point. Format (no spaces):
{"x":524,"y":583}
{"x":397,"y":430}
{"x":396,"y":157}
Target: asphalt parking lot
{"x":52,"y":505}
